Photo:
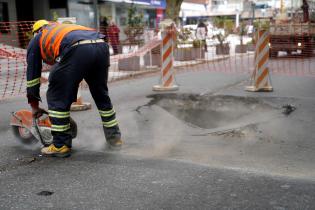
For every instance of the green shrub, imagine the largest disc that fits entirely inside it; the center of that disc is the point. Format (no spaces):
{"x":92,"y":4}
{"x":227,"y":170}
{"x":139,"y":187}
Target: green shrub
{"x":227,"y":25}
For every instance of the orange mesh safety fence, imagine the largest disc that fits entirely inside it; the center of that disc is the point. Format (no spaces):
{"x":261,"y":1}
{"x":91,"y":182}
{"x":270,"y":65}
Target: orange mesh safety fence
{"x":14,"y":38}
{"x":291,"y":52}
{"x":136,"y":51}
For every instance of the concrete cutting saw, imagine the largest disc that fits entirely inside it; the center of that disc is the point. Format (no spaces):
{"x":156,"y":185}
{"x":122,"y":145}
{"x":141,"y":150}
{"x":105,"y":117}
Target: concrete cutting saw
{"x":30,"y":130}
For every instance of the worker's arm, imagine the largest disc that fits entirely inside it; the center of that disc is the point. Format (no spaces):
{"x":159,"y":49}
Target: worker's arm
{"x":34,"y":68}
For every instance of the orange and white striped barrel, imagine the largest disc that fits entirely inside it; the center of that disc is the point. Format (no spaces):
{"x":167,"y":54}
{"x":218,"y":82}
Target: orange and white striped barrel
{"x":260,"y":80}
{"x":167,"y":71}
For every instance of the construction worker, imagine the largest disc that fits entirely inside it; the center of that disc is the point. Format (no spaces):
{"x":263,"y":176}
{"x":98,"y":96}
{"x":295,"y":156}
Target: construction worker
{"x":76,"y":53}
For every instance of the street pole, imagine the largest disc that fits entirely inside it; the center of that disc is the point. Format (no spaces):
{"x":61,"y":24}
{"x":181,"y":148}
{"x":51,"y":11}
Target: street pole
{"x":96,"y":15}
{"x":253,"y":10}
{"x":281,"y":7}
{"x":237,"y":20}
{"x":305,"y":8}
{"x":292,"y":5}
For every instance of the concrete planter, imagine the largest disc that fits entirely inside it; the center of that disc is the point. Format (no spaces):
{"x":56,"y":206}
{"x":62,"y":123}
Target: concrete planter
{"x":222,"y":49}
{"x":188,"y":54}
{"x":240,"y":48}
{"x":182,"y":54}
{"x":155,"y":59}
{"x":199,"y":52}
{"x":251,"y":47}
{"x":129,"y":64}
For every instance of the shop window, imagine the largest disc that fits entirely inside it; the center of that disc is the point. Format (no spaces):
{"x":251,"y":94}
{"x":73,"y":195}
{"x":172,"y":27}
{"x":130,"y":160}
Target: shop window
{"x":4,"y":18}
{"x":83,"y":11}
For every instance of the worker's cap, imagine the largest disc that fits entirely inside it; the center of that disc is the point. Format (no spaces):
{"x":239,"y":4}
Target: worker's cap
{"x":39,"y":24}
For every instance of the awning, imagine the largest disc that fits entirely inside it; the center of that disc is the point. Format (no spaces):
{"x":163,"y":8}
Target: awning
{"x":152,"y":3}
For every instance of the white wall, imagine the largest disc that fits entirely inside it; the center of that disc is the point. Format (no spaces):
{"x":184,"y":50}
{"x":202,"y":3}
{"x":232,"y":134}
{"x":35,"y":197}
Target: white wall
{"x":287,"y":3}
{"x":227,"y":7}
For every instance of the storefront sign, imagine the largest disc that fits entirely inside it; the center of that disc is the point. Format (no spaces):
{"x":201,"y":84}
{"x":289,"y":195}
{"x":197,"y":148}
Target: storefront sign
{"x":159,"y":16}
{"x":154,"y":3}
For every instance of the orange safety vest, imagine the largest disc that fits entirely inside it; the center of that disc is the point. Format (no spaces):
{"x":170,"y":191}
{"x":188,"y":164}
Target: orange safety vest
{"x":52,"y":36}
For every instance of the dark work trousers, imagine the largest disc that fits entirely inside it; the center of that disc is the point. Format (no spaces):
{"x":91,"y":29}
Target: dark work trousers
{"x":89,"y":62}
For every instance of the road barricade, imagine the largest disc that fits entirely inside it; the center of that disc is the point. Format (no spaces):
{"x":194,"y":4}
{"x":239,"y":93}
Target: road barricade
{"x":260,"y":80}
{"x":141,"y":56}
{"x":167,"y":80}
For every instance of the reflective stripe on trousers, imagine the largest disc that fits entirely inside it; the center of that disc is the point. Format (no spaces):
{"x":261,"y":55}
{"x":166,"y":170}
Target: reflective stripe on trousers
{"x":62,"y":118}
{"x":108,"y":118}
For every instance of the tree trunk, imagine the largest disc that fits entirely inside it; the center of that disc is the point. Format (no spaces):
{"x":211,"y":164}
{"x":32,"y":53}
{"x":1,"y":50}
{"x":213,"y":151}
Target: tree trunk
{"x":173,"y":9}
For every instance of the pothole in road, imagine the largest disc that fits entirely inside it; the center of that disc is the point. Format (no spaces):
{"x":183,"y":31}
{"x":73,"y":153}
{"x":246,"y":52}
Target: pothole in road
{"x":211,"y":112}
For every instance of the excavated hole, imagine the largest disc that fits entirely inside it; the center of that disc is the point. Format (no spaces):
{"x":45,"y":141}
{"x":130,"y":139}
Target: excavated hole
{"x":214,"y":111}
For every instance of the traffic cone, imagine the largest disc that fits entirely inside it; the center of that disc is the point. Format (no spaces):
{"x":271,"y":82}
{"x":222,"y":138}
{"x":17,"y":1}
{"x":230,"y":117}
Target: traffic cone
{"x":79,"y":105}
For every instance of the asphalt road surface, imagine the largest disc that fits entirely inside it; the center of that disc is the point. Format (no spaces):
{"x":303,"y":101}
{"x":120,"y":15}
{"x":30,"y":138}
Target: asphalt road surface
{"x":211,"y":145}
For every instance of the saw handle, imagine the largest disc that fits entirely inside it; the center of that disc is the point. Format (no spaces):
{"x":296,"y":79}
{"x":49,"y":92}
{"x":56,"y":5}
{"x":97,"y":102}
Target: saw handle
{"x":36,"y":122}
{"x":39,"y":113}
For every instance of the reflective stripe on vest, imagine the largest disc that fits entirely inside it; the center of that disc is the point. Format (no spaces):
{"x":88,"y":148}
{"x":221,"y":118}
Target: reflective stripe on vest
{"x":52,"y":36}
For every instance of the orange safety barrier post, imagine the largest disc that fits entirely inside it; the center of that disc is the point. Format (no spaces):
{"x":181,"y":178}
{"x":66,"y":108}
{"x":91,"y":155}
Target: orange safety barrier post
{"x":80,"y":105}
{"x":260,"y":80}
{"x":167,"y":70}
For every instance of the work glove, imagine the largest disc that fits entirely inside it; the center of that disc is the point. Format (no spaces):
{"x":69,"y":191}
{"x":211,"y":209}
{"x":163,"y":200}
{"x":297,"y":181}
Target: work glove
{"x":36,"y":110}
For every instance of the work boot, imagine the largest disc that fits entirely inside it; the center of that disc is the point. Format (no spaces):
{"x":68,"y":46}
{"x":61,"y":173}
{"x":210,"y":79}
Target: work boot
{"x":115,"y":143}
{"x":53,"y":151}
{"x":113,"y":137}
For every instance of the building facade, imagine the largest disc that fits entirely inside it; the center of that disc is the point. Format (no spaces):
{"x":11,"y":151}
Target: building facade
{"x":193,"y":10}
{"x":261,"y":9}
{"x":226,"y":7}
{"x":87,"y":12}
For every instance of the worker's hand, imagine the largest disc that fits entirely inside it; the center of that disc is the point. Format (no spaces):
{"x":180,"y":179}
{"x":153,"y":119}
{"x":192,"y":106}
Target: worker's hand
{"x":38,"y":112}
